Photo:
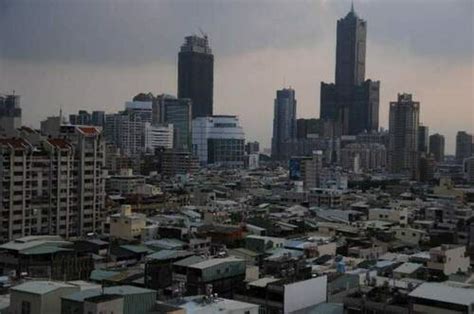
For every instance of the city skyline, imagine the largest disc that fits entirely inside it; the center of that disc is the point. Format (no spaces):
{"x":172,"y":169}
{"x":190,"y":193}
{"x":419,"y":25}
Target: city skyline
{"x":47,"y":77}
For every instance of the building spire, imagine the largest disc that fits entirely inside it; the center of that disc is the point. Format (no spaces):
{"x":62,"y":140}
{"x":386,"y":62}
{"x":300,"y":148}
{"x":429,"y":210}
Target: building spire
{"x":352,"y":6}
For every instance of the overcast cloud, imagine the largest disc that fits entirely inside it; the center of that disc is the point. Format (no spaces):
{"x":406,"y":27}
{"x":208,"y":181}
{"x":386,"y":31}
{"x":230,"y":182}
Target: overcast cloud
{"x":99,"y":53}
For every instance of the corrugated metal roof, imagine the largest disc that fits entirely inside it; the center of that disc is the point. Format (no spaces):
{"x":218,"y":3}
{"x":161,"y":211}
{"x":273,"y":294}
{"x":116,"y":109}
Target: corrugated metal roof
{"x":168,"y":254}
{"x":41,"y":287}
{"x":99,"y":274}
{"x":33,"y":241}
{"x":444,"y":293}
{"x":215,"y":261}
{"x":120,"y":290}
{"x":407,"y":268}
{"x":190,"y":260}
{"x":137,"y":249}
{"x":44,"y":249}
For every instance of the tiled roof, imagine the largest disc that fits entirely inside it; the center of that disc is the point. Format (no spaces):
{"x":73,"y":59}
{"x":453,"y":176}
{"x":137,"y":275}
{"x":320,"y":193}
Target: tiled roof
{"x":15,"y":143}
{"x":59,"y":142}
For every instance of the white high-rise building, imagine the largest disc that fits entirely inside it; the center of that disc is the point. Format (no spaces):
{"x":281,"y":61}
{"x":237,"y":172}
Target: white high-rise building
{"x":158,"y":136}
{"x":126,"y":129}
{"x":219,"y":141}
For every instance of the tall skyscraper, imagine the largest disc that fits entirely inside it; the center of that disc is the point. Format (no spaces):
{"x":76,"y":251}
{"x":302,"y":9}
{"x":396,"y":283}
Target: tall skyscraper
{"x":97,"y":118}
{"x":352,"y":101}
{"x":437,"y":147}
{"x":284,"y":120}
{"x":196,"y":75}
{"x":423,"y":138}
{"x":10,"y":114}
{"x":350,"y":52}
{"x":403,"y":135}
{"x":464,"y":146}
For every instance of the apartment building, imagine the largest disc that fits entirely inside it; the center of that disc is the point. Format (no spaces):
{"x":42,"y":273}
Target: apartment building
{"x":54,"y":186}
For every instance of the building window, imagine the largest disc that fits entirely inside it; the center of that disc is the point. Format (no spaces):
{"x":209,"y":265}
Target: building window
{"x":25,"y":307}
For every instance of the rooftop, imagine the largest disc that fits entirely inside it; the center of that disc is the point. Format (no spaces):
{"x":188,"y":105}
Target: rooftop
{"x":215,"y":261}
{"x":40,"y":287}
{"x":80,"y":296}
{"x":29,"y":242}
{"x":444,"y":293}
{"x":263,"y":282}
{"x":407,"y":268}
{"x":217,"y":305}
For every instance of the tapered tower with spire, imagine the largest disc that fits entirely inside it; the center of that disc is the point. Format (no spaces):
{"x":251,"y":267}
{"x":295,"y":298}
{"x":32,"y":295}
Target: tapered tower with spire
{"x":352,"y":100}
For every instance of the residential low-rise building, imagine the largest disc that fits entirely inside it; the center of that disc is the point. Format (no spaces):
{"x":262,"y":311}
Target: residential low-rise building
{"x":326,"y":198}
{"x":449,"y":259}
{"x":399,"y":216}
{"x":39,"y":297}
{"x":127,"y":225}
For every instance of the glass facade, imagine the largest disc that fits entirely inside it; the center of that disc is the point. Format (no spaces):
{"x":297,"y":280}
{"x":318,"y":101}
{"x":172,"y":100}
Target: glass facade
{"x":228,"y":151}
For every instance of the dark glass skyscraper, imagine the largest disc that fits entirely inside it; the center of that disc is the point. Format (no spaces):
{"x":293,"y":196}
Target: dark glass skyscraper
{"x":352,"y":101}
{"x":284,"y":120}
{"x":171,"y":110}
{"x":423,"y":138}
{"x":437,"y":147}
{"x":196,"y":75}
{"x":464,"y":146}
{"x":10,"y":113}
{"x":350,"y":52}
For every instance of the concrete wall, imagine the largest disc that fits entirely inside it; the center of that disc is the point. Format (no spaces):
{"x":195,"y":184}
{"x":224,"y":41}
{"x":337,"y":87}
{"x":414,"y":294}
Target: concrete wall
{"x":40,"y":304}
{"x":114,"y":306}
{"x":303,"y":294}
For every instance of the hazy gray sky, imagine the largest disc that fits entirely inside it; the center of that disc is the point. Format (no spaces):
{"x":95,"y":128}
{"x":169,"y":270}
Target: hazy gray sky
{"x":97,"y":54}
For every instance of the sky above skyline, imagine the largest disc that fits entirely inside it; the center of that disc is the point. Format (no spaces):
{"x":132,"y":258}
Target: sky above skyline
{"x":97,"y":54}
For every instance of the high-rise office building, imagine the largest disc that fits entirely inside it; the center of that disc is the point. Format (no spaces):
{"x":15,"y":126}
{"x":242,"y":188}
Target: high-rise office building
{"x":196,"y":75}
{"x":423,"y":138}
{"x":311,"y":168}
{"x":352,"y":101}
{"x":427,"y":166}
{"x":10,"y":114}
{"x":309,"y":128}
{"x":464,"y":146}
{"x":284,"y":120}
{"x":55,"y":186}
{"x":252,"y":147}
{"x":168,"y":109}
{"x":367,"y":156}
{"x":219,"y":141}
{"x":96,"y":118}
{"x":437,"y":147}
{"x":158,"y":136}
{"x":468,"y":169}
{"x":126,"y":129}
{"x":350,"y":52}
{"x":403,"y":135}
